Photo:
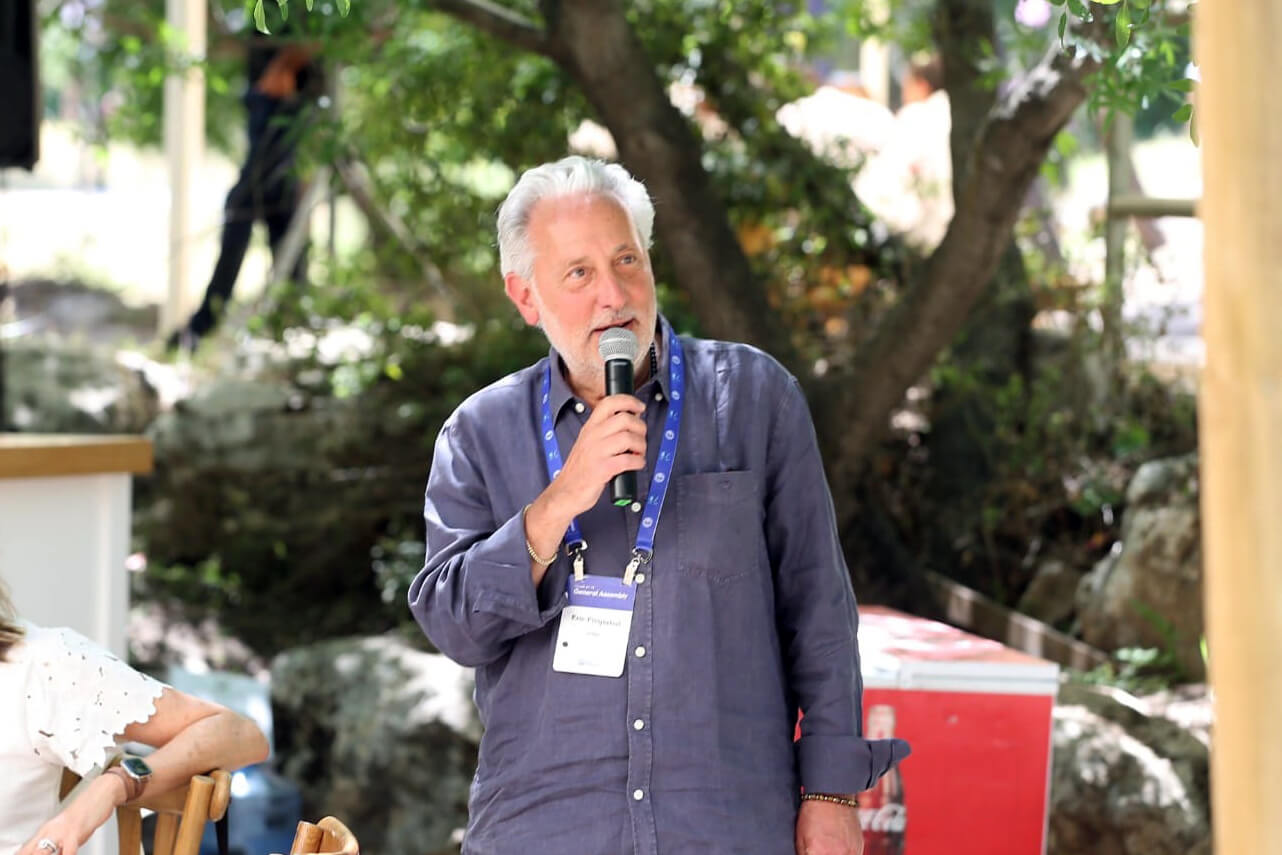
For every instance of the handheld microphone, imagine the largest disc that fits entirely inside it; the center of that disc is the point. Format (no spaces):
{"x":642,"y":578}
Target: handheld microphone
{"x":618,"y":347}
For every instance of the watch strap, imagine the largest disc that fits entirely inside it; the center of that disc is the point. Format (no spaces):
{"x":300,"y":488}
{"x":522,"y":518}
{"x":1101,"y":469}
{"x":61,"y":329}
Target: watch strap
{"x":133,"y":786}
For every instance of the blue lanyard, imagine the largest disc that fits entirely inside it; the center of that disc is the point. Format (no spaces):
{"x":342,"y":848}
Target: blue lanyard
{"x":575,"y":545}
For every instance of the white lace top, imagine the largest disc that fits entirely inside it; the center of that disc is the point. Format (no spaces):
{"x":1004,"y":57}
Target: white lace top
{"x":63,"y":702}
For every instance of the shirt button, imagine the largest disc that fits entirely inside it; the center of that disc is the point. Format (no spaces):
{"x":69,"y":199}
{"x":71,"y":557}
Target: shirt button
{"x":578,"y":406}
{"x":636,"y":506}
{"x":640,"y":651}
{"x":638,"y":725}
{"x":658,"y":396}
{"x":638,"y":795}
{"x":639,"y":578}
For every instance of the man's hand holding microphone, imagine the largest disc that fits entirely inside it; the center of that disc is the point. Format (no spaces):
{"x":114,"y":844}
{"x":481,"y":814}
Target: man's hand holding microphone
{"x":611,"y":447}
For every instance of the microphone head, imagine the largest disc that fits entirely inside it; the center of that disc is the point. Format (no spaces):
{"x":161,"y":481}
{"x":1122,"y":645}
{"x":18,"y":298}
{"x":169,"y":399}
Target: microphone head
{"x":618,"y":343}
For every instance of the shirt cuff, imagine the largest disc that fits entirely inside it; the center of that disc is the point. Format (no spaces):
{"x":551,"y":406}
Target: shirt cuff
{"x":500,"y":568}
{"x":846,"y":764}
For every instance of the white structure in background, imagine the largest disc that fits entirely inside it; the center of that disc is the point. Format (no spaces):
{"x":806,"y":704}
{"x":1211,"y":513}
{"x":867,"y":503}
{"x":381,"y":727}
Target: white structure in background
{"x":64,"y":529}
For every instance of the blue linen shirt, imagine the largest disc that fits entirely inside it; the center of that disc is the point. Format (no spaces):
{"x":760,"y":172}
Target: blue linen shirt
{"x":744,"y":615}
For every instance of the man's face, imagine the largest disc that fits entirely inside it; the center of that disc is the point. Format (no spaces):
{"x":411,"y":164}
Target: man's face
{"x":590,"y":273}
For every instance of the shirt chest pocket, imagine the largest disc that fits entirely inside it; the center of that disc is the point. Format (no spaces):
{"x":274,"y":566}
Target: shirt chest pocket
{"x":719,"y":532}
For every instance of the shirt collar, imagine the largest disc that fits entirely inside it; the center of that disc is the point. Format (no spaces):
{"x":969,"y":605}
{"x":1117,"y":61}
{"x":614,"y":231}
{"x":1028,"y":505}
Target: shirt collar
{"x":561,"y":394}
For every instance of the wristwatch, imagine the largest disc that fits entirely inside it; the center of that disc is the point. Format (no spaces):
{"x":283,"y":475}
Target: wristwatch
{"x":135,"y":772}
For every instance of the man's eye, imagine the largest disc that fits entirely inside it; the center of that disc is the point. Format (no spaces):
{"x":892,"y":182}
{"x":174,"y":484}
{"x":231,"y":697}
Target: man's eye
{"x":628,"y":259}
{"x":578,"y":272}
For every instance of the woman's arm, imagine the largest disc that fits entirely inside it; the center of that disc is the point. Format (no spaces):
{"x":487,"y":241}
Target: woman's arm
{"x":191,"y":736}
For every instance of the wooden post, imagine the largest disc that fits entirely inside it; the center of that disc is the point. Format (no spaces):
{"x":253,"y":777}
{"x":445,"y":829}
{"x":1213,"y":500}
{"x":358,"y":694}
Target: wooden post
{"x":184,"y":147}
{"x":1120,"y":135}
{"x":1239,"y":118}
{"x":874,"y":57}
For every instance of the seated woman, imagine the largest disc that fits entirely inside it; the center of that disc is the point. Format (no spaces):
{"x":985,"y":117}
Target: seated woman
{"x":69,"y":703}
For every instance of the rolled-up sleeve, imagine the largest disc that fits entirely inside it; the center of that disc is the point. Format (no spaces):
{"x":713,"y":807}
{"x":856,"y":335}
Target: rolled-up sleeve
{"x":816,"y":612}
{"x":475,"y":595}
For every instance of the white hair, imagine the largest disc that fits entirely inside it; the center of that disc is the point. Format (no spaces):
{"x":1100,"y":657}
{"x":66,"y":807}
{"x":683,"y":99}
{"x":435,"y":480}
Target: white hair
{"x":569,"y":176}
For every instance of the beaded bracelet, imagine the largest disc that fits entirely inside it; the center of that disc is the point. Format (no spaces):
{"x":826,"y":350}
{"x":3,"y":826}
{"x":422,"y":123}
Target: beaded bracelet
{"x":529,"y":548}
{"x":824,"y":797}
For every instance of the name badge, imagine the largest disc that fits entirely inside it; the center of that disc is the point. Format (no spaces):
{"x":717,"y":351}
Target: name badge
{"x":593,"y":637}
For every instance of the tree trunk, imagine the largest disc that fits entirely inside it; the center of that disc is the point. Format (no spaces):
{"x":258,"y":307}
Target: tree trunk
{"x":602,"y":52}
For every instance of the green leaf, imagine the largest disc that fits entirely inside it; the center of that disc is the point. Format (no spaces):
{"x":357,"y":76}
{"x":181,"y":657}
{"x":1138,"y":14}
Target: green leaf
{"x":344,"y":6}
{"x":1183,"y":114}
{"x":260,"y":19}
{"x":1063,"y":25}
{"x":284,"y":9}
{"x":1122,"y":27}
{"x":1078,"y":8}
{"x":1182,"y":85}
{"x":309,"y":4}
{"x":1057,"y":2}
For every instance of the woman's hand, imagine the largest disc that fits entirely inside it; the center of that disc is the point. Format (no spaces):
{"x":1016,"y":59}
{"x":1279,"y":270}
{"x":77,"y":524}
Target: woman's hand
{"x":74,"y":824}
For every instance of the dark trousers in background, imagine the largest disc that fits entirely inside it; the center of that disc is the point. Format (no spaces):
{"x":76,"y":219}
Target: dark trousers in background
{"x":267,"y":190}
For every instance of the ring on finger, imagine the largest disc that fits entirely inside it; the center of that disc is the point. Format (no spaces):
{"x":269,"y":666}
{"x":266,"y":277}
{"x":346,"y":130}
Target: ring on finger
{"x":46,"y":843}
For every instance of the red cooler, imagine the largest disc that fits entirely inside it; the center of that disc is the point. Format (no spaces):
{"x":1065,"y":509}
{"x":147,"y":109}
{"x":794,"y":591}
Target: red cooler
{"x":978,"y":715}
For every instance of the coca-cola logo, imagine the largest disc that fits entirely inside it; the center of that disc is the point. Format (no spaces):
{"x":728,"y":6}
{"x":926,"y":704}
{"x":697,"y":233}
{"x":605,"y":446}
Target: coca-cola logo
{"x":888,"y":819}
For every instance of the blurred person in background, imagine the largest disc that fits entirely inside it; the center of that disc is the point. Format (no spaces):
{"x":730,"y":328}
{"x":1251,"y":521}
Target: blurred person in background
{"x":285,"y":81}
{"x":908,"y":183}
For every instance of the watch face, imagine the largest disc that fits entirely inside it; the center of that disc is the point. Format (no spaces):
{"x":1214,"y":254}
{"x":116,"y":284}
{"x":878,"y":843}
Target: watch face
{"x":135,"y":766}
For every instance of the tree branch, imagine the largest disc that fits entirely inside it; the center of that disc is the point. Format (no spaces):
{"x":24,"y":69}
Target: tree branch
{"x":358,"y":188}
{"x":500,"y":22}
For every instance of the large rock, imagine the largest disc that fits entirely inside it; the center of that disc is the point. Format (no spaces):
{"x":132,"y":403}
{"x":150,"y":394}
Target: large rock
{"x":1148,"y":592}
{"x":52,"y":385}
{"x":1049,"y":597}
{"x":1124,"y":781}
{"x":78,"y":311}
{"x":382,"y":736}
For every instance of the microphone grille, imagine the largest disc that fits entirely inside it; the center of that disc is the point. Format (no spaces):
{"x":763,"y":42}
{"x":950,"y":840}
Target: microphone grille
{"x":617,"y":343}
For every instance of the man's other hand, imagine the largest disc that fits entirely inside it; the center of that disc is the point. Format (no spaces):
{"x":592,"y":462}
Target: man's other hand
{"x":824,"y":828}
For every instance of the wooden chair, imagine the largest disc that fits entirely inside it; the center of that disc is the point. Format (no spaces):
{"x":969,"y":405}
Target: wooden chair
{"x":329,"y":837}
{"x":181,"y":814}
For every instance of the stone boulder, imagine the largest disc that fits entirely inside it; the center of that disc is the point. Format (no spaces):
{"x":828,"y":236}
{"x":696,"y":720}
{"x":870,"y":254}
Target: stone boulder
{"x":1125,"y":779}
{"x":1049,"y":597}
{"x":79,"y":311}
{"x":381,"y":735}
{"x":1148,"y":591}
{"x":53,"y":385}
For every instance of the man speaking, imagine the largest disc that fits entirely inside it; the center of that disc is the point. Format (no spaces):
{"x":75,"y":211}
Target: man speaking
{"x":640,"y":664}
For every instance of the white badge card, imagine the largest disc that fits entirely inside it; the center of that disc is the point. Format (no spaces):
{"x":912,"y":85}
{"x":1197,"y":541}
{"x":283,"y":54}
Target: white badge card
{"x":593,"y":638}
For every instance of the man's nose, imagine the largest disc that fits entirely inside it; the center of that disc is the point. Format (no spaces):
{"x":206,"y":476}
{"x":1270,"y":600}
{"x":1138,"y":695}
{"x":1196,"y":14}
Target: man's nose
{"x":611,"y":293}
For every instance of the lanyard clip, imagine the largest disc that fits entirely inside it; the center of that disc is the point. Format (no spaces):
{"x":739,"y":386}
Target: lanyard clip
{"x":575,"y":551}
{"x":639,"y":557}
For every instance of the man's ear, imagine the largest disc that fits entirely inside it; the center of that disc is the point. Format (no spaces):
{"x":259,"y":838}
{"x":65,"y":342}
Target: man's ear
{"x":521,"y":292}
